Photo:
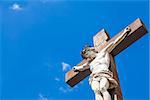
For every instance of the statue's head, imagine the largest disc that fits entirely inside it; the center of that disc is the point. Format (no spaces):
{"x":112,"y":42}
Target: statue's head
{"x":88,"y":52}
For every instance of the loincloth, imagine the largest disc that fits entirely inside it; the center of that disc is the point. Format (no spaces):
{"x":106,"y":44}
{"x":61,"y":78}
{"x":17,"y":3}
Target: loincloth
{"x":107,"y":74}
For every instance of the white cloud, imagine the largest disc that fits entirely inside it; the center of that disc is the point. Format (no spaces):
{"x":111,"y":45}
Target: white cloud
{"x":65,"y":66}
{"x":62,"y":89}
{"x":16,"y":7}
{"x":57,"y":79}
{"x":41,"y":97}
{"x":68,"y":89}
{"x":81,"y":82}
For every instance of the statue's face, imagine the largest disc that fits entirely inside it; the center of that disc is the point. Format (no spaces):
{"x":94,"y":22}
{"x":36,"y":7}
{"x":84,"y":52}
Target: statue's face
{"x":89,"y":53}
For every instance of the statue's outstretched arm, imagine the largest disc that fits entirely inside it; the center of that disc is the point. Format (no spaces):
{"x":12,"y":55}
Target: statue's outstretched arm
{"x":126,"y":31}
{"x":113,"y":44}
{"x":81,"y":67}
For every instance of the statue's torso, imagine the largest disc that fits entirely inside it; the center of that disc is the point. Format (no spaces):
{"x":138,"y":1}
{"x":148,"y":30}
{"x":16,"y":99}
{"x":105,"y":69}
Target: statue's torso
{"x":100,"y":63}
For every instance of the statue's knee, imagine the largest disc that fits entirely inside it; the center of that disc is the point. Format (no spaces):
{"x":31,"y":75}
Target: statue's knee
{"x":104,"y":85}
{"x":95,"y":85}
{"x":103,"y":89}
{"x":97,"y":92}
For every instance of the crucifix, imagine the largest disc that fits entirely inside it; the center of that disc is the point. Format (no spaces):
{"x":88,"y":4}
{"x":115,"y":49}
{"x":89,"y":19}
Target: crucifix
{"x":99,"y":63}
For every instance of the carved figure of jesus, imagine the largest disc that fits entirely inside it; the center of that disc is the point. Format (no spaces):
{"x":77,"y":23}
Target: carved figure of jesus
{"x":101,"y":78}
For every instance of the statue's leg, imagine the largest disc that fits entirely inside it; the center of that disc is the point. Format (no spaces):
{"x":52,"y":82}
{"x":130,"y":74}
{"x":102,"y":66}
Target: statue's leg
{"x":95,"y":85}
{"x":98,"y":96}
{"x":104,"y":85}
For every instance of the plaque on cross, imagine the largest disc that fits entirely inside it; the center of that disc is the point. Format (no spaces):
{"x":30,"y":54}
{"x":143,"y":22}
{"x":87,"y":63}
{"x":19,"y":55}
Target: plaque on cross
{"x":102,"y":40}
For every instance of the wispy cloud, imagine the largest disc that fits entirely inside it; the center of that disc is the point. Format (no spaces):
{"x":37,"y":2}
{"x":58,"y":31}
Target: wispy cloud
{"x":68,"y":89}
{"x":57,"y":79}
{"x":81,"y":82}
{"x":41,"y":97}
{"x":16,"y":7}
{"x":65,"y":66}
{"x":62,"y":89}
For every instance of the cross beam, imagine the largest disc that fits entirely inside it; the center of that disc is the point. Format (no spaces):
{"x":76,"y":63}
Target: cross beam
{"x":138,"y":29}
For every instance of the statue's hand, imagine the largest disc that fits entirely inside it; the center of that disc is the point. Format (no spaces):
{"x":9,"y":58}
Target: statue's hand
{"x":127,"y":30}
{"x":77,"y":68}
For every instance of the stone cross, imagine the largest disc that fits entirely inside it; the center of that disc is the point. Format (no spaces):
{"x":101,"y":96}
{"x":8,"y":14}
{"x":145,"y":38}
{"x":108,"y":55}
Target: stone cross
{"x":101,"y":40}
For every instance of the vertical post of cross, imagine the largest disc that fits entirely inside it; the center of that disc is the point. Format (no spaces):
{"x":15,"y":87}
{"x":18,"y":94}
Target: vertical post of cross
{"x":116,"y":91}
{"x":99,"y":39}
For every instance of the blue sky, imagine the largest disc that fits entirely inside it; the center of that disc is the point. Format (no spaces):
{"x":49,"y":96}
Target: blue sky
{"x":42,"y":40}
